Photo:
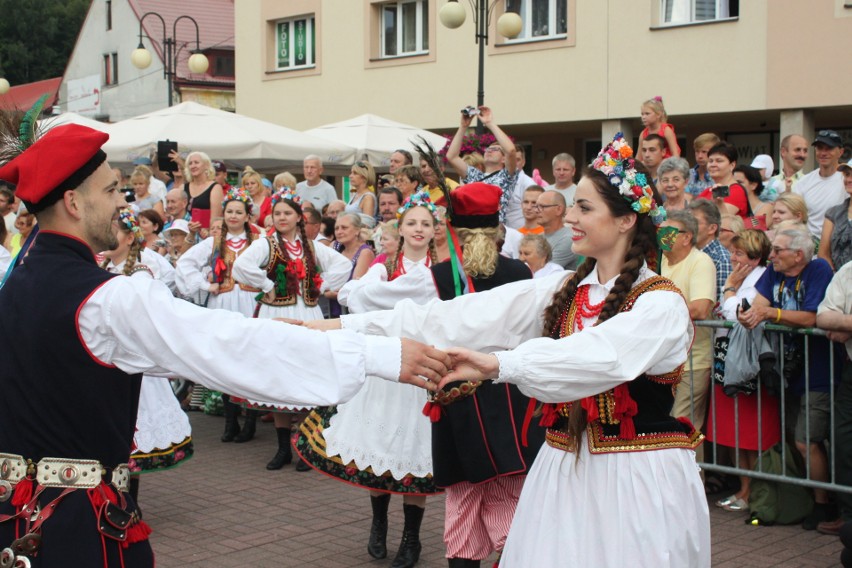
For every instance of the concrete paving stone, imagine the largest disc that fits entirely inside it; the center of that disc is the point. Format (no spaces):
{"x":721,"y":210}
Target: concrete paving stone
{"x":222,"y":509}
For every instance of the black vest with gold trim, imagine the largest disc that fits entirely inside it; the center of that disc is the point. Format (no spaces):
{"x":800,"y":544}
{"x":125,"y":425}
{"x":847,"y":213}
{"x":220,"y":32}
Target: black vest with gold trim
{"x":634,"y":416}
{"x":279,"y":257}
{"x":228,"y":283}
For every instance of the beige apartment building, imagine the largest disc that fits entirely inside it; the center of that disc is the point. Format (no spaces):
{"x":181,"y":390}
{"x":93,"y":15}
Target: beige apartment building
{"x":750,"y":70}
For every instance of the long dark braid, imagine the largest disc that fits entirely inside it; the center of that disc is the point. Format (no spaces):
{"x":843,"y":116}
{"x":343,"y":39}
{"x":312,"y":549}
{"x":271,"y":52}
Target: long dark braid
{"x":643,"y":243}
{"x":310,"y":263}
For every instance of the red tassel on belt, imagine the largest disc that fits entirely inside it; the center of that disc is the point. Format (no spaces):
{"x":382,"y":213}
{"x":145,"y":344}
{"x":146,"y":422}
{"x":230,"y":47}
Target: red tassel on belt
{"x":433,"y":411}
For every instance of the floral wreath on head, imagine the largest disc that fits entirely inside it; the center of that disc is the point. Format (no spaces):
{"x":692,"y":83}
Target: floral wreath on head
{"x":285,"y":193}
{"x":131,"y":223}
{"x":419,"y":199}
{"x":237,"y":194}
{"x":616,"y":162}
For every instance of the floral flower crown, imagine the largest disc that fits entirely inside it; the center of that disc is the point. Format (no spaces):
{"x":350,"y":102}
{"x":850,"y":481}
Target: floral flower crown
{"x":616,"y":163}
{"x":237,"y":194}
{"x":131,"y":223}
{"x":419,"y":199}
{"x":285,"y":193}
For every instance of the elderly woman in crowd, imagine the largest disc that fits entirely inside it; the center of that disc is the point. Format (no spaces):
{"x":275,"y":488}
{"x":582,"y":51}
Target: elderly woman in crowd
{"x":733,"y":421}
{"x":536,"y":252}
{"x":673,"y":175}
{"x":835,"y":245}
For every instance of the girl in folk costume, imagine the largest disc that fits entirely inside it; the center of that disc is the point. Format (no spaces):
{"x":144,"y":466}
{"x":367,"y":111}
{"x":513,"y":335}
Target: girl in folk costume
{"x":207,"y":267}
{"x":291,"y":273}
{"x":163,"y":436}
{"x":480,"y":451}
{"x":617,"y":483}
{"x":379,"y":440}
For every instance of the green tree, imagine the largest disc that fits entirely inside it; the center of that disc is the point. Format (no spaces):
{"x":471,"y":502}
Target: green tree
{"x":38,"y":36}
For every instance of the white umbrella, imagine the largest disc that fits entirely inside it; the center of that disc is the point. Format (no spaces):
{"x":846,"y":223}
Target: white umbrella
{"x":222,"y":135}
{"x":73,"y":118}
{"x":375,"y":138}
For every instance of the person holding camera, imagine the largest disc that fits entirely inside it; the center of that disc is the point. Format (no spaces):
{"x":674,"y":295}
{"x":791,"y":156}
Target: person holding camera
{"x":500,"y":158}
{"x":728,"y":195}
{"x":789,"y":293}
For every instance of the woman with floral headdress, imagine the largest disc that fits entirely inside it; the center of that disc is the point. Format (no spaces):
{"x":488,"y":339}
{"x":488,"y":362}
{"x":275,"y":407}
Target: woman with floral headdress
{"x":603,"y":347}
{"x":207,"y":267}
{"x":163,"y":436}
{"x":379,"y":440}
{"x":290,"y":273}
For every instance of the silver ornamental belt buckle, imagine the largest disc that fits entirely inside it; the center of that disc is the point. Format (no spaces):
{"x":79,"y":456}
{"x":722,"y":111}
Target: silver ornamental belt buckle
{"x":13,"y":468}
{"x":59,"y":472}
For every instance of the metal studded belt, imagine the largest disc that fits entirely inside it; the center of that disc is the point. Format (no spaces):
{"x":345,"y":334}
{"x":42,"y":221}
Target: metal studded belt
{"x":59,"y":472}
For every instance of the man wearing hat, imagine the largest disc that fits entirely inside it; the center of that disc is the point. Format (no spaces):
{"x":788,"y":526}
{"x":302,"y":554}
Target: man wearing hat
{"x":823,"y":188}
{"x":70,"y":381}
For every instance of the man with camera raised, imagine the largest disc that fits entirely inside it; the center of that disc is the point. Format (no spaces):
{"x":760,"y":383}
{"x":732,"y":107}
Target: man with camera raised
{"x":500,"y":159}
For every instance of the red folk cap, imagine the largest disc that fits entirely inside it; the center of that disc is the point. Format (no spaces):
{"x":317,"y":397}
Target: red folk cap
{"x":51,"y":160}
{"x":476,"y":205}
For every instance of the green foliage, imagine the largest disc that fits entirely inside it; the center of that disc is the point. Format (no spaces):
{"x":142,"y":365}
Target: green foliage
{"x":38,"y":37}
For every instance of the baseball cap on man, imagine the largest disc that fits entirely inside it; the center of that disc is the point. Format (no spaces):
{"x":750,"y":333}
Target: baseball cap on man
{"x":829,"y":138}
{"x":219,"y":166}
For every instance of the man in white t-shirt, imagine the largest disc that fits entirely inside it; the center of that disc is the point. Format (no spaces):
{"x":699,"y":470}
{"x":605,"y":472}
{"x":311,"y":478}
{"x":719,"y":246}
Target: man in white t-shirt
{"x":823,"y":188}
{"x":314,"y":188}
{"x":564,"y":167}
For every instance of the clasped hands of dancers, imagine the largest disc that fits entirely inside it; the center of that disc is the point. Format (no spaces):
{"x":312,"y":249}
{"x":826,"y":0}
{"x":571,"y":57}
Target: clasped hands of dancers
{"x":429,"y":368}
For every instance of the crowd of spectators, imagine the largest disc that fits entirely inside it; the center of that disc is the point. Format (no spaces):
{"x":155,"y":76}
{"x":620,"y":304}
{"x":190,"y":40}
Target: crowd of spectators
{"x":752,"y":246}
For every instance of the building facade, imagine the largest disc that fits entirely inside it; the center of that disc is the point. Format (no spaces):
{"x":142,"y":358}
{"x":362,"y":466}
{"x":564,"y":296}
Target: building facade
{"x":101,"y":82}
{"x":750,"y":71}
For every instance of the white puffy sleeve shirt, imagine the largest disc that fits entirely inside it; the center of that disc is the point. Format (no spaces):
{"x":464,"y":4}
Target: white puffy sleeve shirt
{"x":137,"y":325}
{"x":652,"y":337}
{"x":190,"y":268}
{"x":373,"y":292}
{"x":249,"y":267}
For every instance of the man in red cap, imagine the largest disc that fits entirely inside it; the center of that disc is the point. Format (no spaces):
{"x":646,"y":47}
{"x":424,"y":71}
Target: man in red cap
{"x":70,"y":381}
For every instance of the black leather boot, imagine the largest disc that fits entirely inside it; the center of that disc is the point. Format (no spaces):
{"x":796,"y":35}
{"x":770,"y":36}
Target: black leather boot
{"x":377,"y":545}
{"x":247,"y":433}
{"x":284,"y":455}
{"x":232,"y":427}
{"x":462,"y":563}
{"x":409,"y":549}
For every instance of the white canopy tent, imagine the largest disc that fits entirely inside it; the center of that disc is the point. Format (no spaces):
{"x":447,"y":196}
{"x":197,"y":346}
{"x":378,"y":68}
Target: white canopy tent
{"x":236,"y":139}
{"x":375,"y":138}
{"x":73,"y":118}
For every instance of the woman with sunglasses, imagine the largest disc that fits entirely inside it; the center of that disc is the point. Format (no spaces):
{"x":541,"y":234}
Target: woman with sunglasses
{"x":362,"y":182}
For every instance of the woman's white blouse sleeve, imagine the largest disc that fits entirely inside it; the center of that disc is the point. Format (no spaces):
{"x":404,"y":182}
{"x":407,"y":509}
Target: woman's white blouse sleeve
{"x":249,"y":268}
{"x":190,"y":268}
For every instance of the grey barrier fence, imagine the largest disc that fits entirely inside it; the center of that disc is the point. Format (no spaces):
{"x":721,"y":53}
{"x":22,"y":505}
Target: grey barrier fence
{"x":785,"y":447}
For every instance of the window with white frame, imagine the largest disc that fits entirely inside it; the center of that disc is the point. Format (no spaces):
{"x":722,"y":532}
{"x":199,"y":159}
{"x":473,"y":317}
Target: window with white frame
{"x":404,"y":28}
{"x":295,"y":43}
{"x":691,"y":11}
{"x":542,"y":19}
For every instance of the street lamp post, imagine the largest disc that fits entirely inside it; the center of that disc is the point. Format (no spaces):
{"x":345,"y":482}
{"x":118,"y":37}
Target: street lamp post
{"x":4,"y":83}
{"x":452,"y":16}
{"x":141,"y":57}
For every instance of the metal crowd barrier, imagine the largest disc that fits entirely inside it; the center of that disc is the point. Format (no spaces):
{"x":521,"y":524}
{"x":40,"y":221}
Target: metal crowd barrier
{"x":715,"y":466}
